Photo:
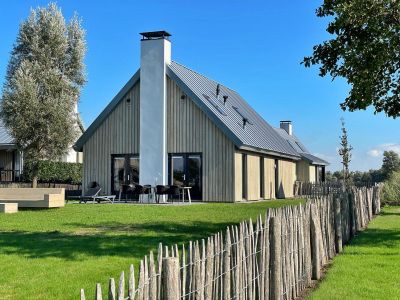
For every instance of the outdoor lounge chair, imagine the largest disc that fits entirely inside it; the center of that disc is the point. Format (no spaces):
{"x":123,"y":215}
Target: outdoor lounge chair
{"x":90,"y":195}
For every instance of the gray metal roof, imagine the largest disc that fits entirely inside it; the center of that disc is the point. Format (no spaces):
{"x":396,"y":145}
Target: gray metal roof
{"x":5,"y":137}
{"x":256,"y":135}
{"x":297,"y":145}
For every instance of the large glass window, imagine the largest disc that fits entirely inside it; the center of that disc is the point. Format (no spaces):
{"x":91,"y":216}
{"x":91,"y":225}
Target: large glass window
{"x":244,"y":176}
{"x":262,"y":196}
{"x":125,"y":170}
{"x":186,"y":170}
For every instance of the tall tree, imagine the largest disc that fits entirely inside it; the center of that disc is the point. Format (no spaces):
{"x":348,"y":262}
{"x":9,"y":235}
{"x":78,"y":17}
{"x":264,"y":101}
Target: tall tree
{"x":44,"y":78}
{"x":365,"y":50}
{"x":345,"y":153}
{"x":391,"y":163}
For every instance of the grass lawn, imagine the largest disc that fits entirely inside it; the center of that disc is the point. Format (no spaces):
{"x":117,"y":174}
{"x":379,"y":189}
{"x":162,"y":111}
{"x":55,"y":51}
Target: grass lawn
{"x":369,"y":267}
{"x":51,"y":254}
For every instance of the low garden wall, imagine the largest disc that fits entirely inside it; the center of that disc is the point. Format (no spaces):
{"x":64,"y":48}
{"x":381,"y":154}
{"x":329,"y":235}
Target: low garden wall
{"x":277,"y":257}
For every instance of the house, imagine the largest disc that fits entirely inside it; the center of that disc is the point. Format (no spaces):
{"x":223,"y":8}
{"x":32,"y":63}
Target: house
{"x":172,"y":125}
{"x":12,"y":161}
{"x":310,"y":168}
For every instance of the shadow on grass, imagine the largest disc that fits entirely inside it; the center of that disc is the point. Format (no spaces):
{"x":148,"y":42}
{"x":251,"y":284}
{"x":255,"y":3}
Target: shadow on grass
{"x":104,"y":239}
{"x":377,"y":238}
{"x":391,"y":213}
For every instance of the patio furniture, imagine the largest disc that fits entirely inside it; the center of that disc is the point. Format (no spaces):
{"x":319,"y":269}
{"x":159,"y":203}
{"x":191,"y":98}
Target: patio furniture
{"x":127,"y":190}
{"x":110,"y":198}
{"x":8,"y":208}
{"x":174,"y":191}
{"x":72,"y":195}
{"x":161,"y":190}
{"x":90,"y":195}
{"x":187,"y":190}
{"x":33,"y":197}
{"x":142,"y":190}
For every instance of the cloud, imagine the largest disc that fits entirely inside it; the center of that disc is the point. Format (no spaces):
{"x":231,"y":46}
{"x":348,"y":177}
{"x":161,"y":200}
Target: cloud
{"x":378,"y":150}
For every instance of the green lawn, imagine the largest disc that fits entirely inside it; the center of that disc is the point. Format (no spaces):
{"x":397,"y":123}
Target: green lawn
{"x":369,"y":268}
{"x":51,"y":254}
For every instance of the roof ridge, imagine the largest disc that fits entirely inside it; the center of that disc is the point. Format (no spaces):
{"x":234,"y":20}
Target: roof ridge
{"x":208,"y":78}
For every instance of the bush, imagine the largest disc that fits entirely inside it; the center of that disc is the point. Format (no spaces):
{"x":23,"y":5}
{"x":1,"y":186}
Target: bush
{"x":54,"y":171}
{"x":391,"y":189}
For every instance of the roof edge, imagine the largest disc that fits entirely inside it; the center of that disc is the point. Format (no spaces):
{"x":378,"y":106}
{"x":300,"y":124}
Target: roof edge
{"x":269,"y":152}
{"x":106,"y":112}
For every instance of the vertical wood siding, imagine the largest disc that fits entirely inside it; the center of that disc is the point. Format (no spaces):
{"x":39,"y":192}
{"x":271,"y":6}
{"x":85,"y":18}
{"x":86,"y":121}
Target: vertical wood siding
{"x":190,"y":130}
{"x":238,"y":176}
{"x":269,"y":178}
{"x":287,"y":177}
{"x":253,"y":177}
{"x":312,"y":173}
{"x":118,"y":134}
{"x":303,"y":171}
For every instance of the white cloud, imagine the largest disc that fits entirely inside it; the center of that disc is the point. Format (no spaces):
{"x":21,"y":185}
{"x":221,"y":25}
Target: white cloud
{"x":378,"y":150}
{"x":374,"y":152}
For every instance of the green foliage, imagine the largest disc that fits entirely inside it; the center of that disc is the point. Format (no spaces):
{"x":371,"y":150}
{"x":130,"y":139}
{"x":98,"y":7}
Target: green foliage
{"x":369,"y":266}
{"x":357,"y":178}
{"x":345,"y":152}
{"x":54,"y":171}
{"x":391,"y":189}
{"x":52,"y":254}
{"x":391,"y":163}
{"x":364,"y":49}
{"x":44,"y":77}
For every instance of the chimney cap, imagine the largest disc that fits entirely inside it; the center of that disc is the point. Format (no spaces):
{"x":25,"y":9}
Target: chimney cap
{"x":153,"y":35}
{"x":286,"y":121}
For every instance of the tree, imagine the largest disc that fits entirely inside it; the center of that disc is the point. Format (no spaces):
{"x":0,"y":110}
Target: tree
{"x":345,"y":153}
{"x":365,"y":50}
{"x":391,"y":163}
{"x":43,"y":81}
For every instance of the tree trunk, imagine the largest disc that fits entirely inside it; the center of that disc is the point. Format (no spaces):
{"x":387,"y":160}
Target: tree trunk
{"x":35,"y":174}
{"x":34,"y":181}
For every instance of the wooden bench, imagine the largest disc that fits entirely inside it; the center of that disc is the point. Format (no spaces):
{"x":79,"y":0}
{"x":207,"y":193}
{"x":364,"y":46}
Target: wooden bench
{"x":30,"y":197}
{"x":8,"y":208}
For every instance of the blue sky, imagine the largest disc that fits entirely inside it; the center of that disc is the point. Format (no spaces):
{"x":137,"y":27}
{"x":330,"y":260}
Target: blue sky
{"x":254,"y":47}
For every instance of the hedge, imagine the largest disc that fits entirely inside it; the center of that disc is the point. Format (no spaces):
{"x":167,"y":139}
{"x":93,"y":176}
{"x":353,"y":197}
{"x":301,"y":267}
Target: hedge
{"x":391,"y":189}
{"x":54,"y":171}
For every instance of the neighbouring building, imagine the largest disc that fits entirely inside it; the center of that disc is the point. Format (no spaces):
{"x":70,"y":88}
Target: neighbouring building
{"x":12,"y":160}
{"x":172,"y":125}
{"x":310,"y":168}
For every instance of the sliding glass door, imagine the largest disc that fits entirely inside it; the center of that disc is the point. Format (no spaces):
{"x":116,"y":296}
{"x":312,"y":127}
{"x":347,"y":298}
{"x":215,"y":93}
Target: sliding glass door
{"x":185,"y":170}
{"x":124,"y":170}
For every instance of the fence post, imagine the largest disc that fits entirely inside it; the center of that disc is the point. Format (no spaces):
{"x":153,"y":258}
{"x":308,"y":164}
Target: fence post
{"x":170,"y":278}
{"x":338,"y":224}
{"x":111,"y":289}
{"x":315,"y":247}
{"x":82,"y":295}
{"x":98,"y":295}
{"x":275,"y":259}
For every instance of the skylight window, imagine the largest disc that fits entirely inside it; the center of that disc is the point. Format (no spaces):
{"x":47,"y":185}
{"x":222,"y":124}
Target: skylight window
{"x":245,"y":119}
{"x":219,"y":109}
{"x":301,"y":148}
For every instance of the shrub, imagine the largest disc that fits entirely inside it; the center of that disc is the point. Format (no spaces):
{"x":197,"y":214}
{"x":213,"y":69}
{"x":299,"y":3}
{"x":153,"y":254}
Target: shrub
{"x":391,"y":189}
{"x":54,"y":171}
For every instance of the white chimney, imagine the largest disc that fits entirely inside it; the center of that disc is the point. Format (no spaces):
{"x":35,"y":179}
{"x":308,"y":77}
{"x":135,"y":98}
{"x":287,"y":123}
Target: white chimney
{"x":154,"y":57}
{"x":287,"y":126}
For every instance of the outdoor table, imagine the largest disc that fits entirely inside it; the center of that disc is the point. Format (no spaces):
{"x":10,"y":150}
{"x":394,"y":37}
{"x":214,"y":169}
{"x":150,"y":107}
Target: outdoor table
{"x":187,"y":189}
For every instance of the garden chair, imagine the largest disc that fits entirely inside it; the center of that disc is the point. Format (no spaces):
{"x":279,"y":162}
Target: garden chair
{"x":90,"y":195}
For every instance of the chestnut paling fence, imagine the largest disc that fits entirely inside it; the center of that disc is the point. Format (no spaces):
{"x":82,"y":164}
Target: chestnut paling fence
{"x":276,"y":257}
